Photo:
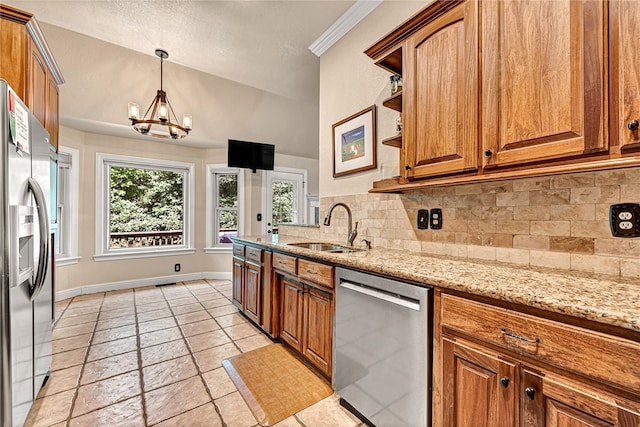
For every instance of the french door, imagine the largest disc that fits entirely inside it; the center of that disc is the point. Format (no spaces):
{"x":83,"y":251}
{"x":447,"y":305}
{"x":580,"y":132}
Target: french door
{"x":283,"y":198}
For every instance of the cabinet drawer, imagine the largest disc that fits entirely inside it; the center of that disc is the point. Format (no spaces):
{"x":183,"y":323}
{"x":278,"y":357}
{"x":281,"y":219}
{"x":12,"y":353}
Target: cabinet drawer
{"x":611,"y":359}
{"x":285,"y":263}
{"x":238,"y":250}
{"x":253,"y":254}
{"x":319,"y":273}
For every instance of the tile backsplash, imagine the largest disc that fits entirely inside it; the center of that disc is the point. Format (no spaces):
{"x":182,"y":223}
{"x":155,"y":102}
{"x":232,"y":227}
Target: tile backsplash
{"x":554,"y":221}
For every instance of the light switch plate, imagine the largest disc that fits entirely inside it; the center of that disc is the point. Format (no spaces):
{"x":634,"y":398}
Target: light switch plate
{"x":423,"y":219}
{"x":624,"y":219}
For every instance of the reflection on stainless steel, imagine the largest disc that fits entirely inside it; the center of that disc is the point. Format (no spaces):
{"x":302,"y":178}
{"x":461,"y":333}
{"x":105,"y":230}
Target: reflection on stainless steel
{"x":324,"y":247}
{"x":382,"y":361}
{"x":26,"y":295}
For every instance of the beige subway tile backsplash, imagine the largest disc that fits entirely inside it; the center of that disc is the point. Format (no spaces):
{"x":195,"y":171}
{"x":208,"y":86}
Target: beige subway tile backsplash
{"x":553,"y":222}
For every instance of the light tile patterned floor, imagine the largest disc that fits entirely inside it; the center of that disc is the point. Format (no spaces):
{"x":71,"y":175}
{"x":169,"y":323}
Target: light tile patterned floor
{"x":152,"y":357}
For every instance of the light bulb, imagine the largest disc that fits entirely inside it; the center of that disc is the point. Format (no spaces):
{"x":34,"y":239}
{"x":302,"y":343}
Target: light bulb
{"x":186,"y":121}
{"x":162,"y":111}
{"x":134,"y":110}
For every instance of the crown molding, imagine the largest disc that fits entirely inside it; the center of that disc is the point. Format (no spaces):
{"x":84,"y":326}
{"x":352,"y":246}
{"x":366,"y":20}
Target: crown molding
{"x":344,"y":24}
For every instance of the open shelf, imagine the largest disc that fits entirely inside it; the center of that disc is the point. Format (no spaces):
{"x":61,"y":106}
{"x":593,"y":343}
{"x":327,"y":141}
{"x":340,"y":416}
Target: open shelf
{"x":394,"y":102}
{"x":394,"y":141}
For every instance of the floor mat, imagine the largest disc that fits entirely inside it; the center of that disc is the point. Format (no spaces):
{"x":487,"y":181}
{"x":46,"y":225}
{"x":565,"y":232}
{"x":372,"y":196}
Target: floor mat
{"x":274,"y":383}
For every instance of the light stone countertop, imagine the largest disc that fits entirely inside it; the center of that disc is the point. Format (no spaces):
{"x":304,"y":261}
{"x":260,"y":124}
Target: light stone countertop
{"x":594,"y":297}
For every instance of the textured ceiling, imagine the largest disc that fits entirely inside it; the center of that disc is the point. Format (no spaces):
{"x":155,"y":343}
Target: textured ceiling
{"x":260,"y":44}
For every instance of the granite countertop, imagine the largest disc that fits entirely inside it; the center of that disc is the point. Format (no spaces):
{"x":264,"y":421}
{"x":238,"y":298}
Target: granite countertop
{"x":594,"y":297}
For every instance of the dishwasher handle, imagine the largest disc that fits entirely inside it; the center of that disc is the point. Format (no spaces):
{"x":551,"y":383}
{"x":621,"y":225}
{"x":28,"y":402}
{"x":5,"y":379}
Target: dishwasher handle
{"x":379,"y":294}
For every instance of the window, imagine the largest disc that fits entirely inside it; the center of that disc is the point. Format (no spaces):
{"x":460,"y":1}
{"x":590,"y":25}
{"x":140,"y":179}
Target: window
{"x":144,"y":207}
{"x":65,"y":214}
{"x":224,"y":206}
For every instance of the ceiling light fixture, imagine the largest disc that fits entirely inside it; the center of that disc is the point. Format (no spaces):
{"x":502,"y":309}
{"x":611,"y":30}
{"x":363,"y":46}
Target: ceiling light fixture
{"x":159,"y":121}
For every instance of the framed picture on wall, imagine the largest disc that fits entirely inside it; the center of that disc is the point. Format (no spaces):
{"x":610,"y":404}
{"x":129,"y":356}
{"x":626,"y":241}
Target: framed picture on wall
{"x":354,"y":143}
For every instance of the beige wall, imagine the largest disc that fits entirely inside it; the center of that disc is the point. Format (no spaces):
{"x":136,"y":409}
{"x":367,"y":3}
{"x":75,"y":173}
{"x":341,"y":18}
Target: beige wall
{"x":350,"y":82}
{"x":552,"y":222}
{"x":89,"y":272}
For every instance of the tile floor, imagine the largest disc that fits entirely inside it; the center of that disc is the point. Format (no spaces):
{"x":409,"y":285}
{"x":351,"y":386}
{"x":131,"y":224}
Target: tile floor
{"x":152,"y":357}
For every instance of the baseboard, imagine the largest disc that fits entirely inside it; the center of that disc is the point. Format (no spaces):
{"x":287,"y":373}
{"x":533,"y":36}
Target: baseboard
{"x":139,"y":283}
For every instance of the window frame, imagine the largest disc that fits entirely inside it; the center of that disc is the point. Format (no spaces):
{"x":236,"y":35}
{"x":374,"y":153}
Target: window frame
{"x":70,"y":227}
{"x":212,"y":245}
{"x":104,"y":162}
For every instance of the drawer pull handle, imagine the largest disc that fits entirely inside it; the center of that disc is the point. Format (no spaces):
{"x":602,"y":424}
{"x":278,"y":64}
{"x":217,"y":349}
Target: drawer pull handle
{"x":311,"y":272}
{"x":530,"y":392}
{"x":504,"y":382}
{"x":518,"y":337}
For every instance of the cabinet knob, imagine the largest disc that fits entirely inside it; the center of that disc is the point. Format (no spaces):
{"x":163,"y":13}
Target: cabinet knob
{"x":488,"y":153}
{"x":407,"y":167}
{"x":633,"y":125}
{"x":504,"y":382}
{"x":530,"y":392}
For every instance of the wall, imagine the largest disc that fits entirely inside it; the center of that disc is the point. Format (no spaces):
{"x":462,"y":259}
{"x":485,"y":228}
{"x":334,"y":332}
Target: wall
{"x":553,"y":222}
{"x":126,"y":273}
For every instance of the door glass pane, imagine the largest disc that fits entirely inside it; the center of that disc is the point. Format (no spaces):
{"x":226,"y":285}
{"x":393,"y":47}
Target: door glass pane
{"x":284,"y":203}
{"x":146,"y":207}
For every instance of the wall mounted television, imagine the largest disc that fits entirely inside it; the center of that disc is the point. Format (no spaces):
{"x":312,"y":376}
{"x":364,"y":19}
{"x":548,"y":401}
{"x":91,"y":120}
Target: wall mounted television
{"x":250,"y":155}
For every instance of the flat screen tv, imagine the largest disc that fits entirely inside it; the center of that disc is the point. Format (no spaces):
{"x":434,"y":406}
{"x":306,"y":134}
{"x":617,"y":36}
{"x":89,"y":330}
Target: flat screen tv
{"x":250,"y":155}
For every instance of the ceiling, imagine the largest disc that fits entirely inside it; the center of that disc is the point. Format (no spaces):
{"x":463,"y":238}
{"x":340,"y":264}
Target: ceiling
{"x":262,"y":45}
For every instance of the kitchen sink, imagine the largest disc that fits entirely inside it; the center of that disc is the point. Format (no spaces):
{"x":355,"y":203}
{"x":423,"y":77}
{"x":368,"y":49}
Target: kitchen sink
{"x":324,"y":247}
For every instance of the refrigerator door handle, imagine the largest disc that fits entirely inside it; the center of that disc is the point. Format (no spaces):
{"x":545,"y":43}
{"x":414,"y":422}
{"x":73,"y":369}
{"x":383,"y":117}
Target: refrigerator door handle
{"x":43,"y":219}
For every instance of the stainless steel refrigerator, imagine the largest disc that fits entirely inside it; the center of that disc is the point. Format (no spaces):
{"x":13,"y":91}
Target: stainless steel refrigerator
{"x":26,"y":292}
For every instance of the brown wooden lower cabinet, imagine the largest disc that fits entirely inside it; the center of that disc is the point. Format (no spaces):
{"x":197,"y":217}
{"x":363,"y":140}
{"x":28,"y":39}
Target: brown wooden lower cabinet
{"x":252,"y":291}
{"x":237,"y":281}
{"x":307,"y":322}
{"x":291,"y":306}
{"x":520,"y":375}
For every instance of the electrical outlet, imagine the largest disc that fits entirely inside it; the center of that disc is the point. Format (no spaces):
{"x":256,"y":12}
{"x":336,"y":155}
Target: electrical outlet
{"x":624,"y":219}
{"x":423,"y":219}
{"x":176,"y":268}
{"x":435,"y":219}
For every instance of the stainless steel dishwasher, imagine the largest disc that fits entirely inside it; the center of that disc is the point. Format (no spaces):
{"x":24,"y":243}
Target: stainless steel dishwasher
{"x":382,"y":349}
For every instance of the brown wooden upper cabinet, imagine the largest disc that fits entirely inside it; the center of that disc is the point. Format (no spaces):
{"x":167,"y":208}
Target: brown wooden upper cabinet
{"x":543,"y":80}
{"x":624,"y":34}
{"x":441,"y":95}
{"x":514,"y":88}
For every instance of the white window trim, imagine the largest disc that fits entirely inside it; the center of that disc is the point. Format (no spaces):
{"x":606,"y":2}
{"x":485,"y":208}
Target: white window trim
{"x":73,"y":190}
{"x":102,"y":251}
{"x":211,"y":245}
{"x":265,"y":194}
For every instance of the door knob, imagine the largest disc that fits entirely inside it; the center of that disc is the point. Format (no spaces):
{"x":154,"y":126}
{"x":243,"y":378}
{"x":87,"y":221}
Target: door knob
{"x":530,"y":392}
{"x":504,"y":382}
{"x":633,"y":125}
{"x":407,"y":167}
{"x":488,"y":153}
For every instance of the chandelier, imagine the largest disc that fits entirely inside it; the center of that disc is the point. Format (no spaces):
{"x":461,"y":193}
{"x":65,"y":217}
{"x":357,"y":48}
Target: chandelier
{"x":159,"y":121}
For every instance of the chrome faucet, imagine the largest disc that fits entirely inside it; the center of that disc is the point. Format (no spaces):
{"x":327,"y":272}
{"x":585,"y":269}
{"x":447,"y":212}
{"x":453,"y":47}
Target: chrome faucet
{"x":351,"y":233}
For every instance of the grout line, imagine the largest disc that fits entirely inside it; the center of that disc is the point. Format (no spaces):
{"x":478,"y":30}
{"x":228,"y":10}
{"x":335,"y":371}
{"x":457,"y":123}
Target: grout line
{"x":143,"y":399}
{"x":84,"y":361}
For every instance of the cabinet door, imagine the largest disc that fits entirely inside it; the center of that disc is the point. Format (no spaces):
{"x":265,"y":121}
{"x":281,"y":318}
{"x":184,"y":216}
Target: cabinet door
{"x":625,"y":74}
{"x":543,"y":80}
{"x":237,"y":281}
{"x":441,"y":95}
{"x":252,"y":291}
{"x":480,"y":388}
{"x":51,"y":122}
{"x":318,"y":322}
{"x":553,"y":401}
{"x":14,"y":53}
{"x":292,"y":304}
{"x":38,"y":85}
